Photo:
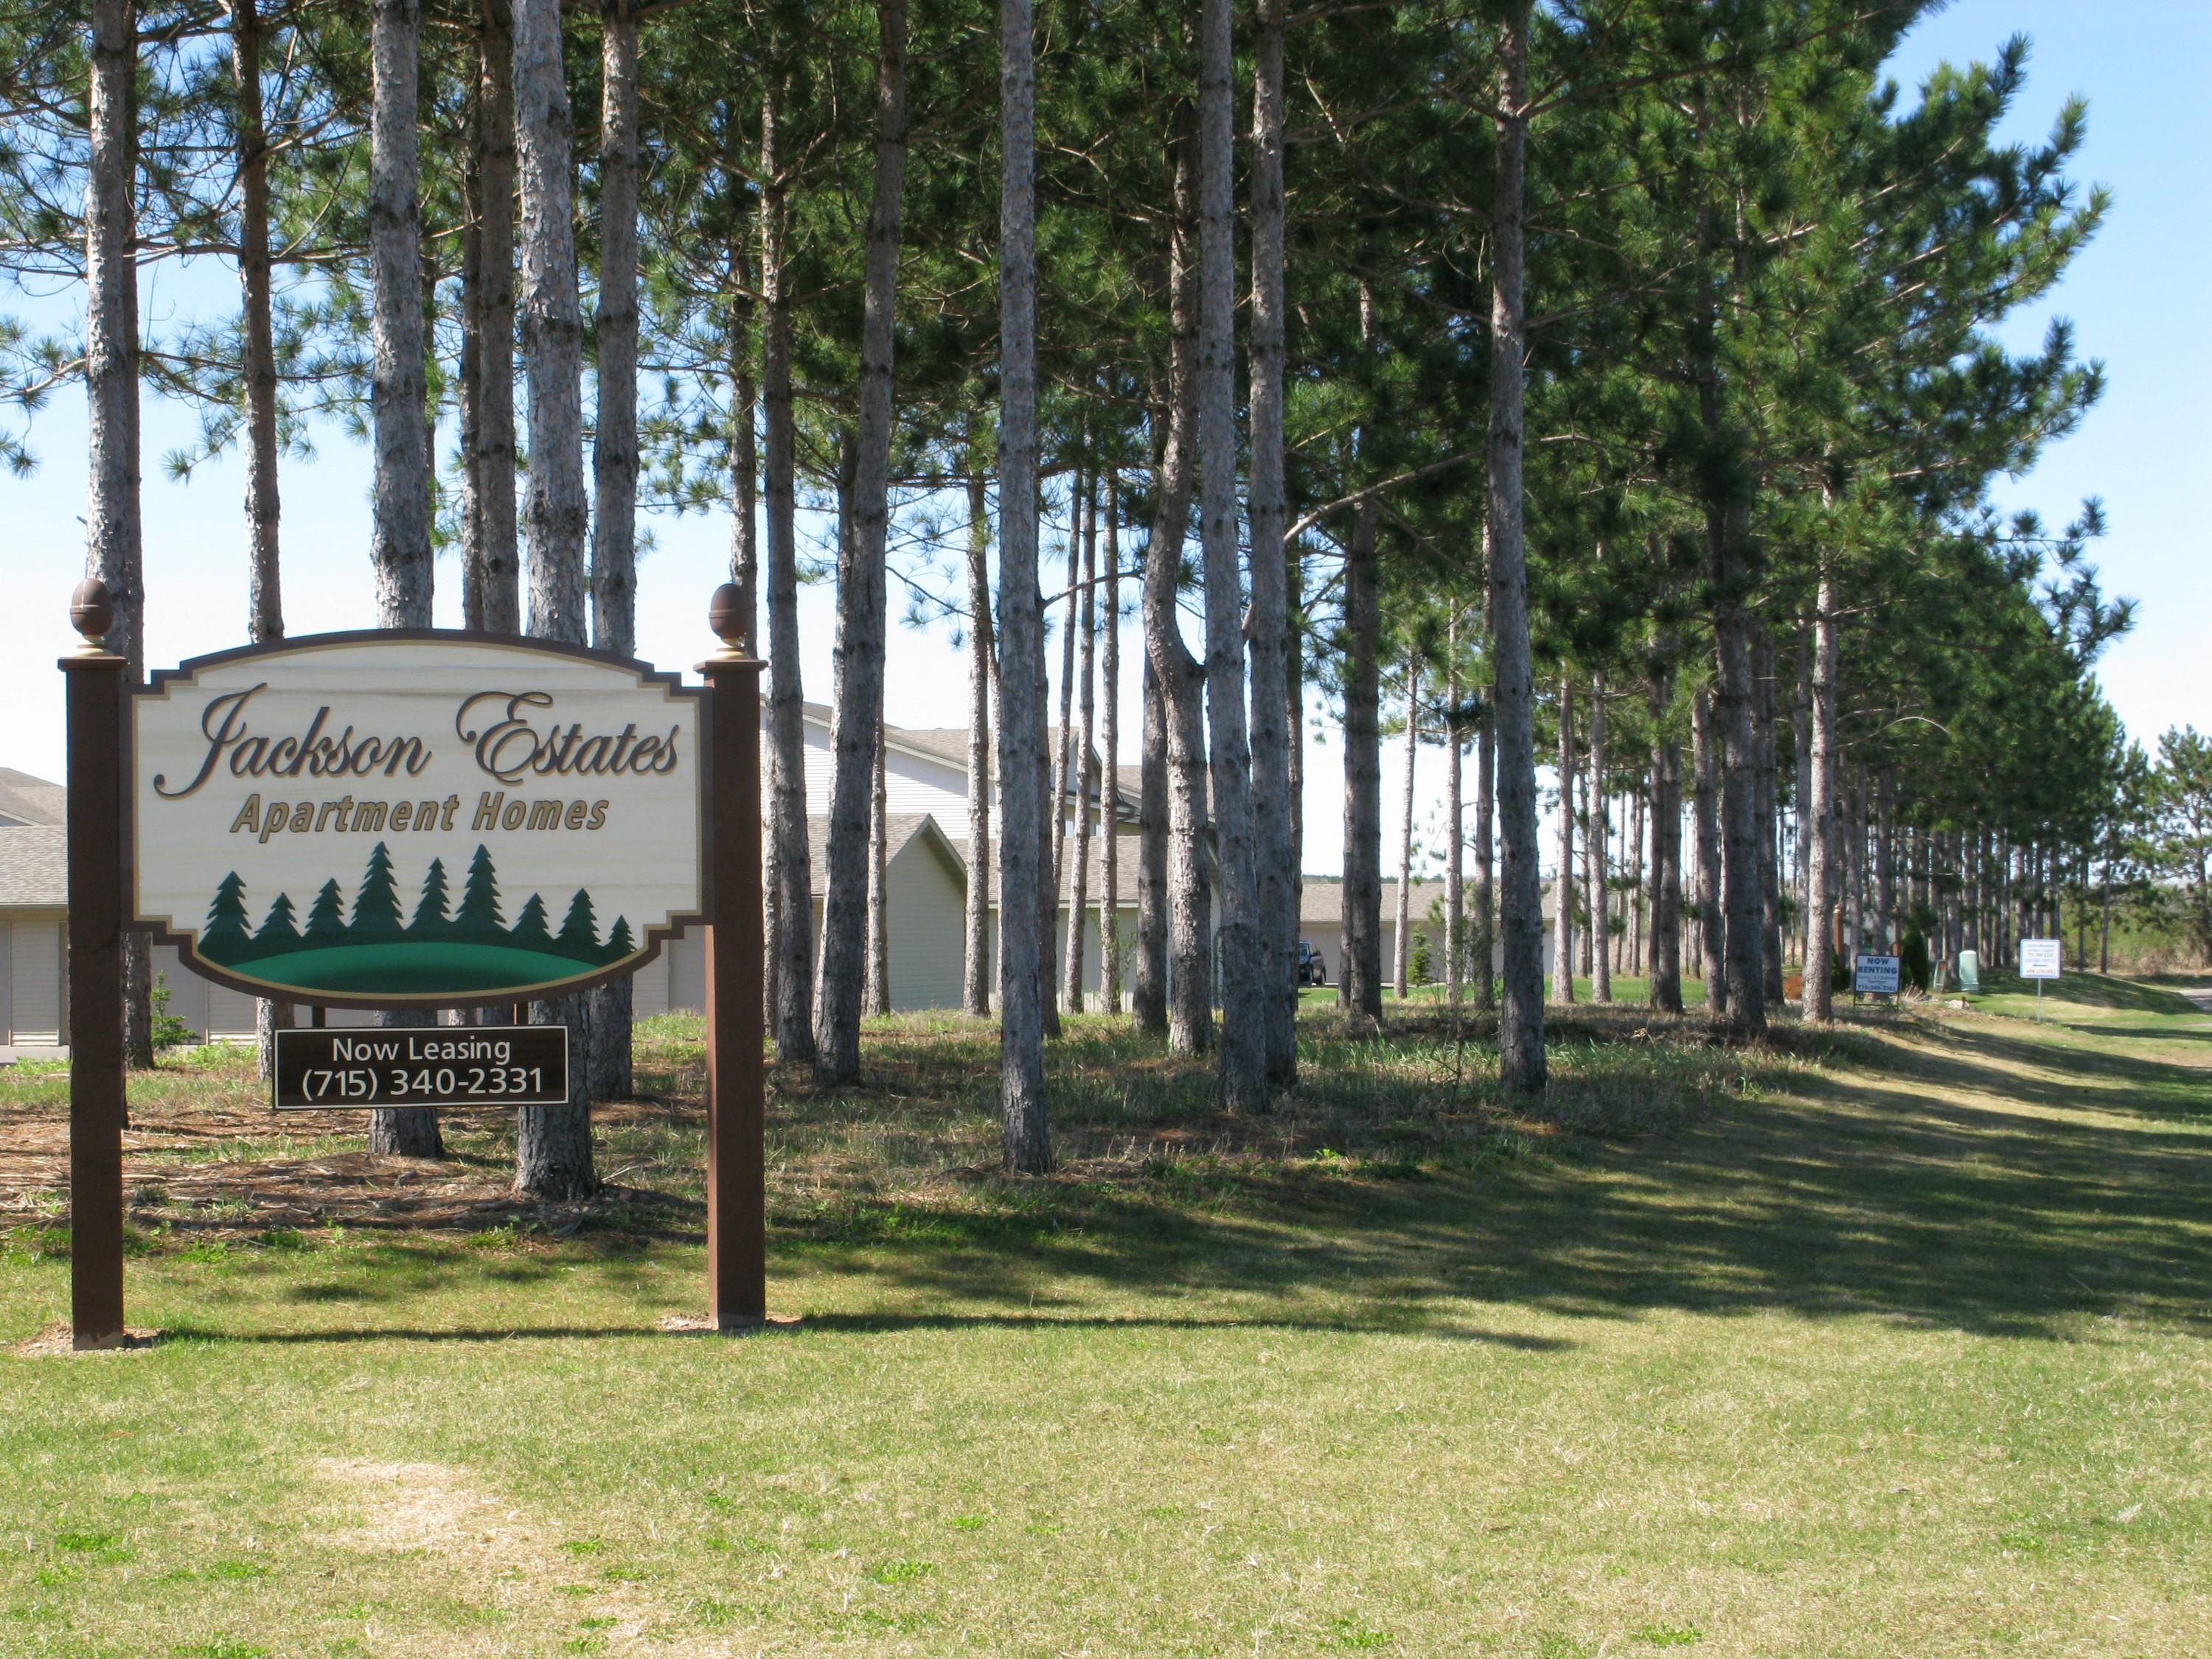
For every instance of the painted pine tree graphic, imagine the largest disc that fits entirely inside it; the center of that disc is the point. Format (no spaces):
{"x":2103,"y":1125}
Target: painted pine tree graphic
{"x":226,"y":937}
{"x":462,"y":947}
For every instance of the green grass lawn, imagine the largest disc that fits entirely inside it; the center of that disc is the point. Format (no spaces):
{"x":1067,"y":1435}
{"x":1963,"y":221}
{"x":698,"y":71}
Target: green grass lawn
{"x":1888,"y":1342}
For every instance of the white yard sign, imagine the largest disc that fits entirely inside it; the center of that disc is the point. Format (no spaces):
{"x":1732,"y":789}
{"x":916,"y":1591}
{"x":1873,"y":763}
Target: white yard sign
{"x":1877,"y":976}
{"x":2039,"y":958}
{"x":415,"y":818}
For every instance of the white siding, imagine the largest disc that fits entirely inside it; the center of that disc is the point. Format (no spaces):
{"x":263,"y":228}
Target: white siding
{"x":34,"y":981}
{"x":927,"y":925}
{"x":649,"y":987}
{"x":230,"y":1013}
{"x":913,"y":783}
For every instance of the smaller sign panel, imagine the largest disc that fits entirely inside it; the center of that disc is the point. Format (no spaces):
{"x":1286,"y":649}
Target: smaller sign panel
{"x":358,"y":1068}
{"x":1878,"y":976}
{"x":2039,"y":958}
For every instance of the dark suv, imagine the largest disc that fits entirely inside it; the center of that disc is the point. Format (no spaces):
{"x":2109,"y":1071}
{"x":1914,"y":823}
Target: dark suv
{"x":1312,"y":970}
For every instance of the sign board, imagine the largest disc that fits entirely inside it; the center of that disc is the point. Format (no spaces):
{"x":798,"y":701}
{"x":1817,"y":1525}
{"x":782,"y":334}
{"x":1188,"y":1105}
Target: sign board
{"x":2039,"y":958}
{"x":414,"y":817}
{"x":1877,"y":976}
{"x":363,"y":1067}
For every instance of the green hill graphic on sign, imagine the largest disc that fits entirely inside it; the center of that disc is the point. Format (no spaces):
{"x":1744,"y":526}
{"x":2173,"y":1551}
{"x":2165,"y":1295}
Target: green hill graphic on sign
{"x":381,"y":949}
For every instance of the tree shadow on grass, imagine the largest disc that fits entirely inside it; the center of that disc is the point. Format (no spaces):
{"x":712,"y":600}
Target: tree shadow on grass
{"x":1911,"y":1193}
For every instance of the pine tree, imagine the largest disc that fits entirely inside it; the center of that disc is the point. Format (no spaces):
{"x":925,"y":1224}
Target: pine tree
{"x":279,"y":933}
{"x":580,"y":930}
{"x":430,"y":908}
{"x":478,"y":919}
{"x":376,"y":906}
{"x":529,"y":933}
{"x":620,"y":942}
{"x":326,"y":923}
{"x":226,"y":937}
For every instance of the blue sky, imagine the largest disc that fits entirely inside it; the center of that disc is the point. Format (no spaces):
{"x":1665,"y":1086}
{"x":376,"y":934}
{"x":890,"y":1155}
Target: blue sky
{"x":2136,"y":295}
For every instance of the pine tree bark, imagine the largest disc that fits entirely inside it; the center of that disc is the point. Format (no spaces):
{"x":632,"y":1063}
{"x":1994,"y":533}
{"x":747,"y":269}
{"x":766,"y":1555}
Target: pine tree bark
{"x":1820,"y":829}
{"x":1405,"y":918}
{"x":1027,"y":1148}
{"x":1563,"y":926}
{"x":1482,"y":967}
{"x":1767,"y":803}
{"x":1180,"y":678}
{"x":1245,"y":1012}
{"x":790,"y":877}
{"x":1064,"y":750}
{"x":1110,"y":794}
{"x":1086,"y":779}
{"x":976,"y":975}
{"x":400,"y":540}
{"x":744,"y":441}
{"x":553,"y":1144}
{"x":1276,"y":960}
{"x":1148,"y":991}
{"x":1711,"y":922}
{"x":1600,"y":925}
{"x":258,"y":381}
{"x":1455,"y":824}
{"x":879,"y":1000}
{"x":1666,"y":853}
{"x":491,"y":568}
{"x":1521,"y":1019}
{"x":861,"y":592}
{"x":1359,"y":975}
{"x":614,"y":453}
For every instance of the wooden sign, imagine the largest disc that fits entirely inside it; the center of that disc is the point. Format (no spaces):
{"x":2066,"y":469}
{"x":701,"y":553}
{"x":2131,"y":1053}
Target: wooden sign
{"x":412,"y":816}
{"x":337,"y":1068}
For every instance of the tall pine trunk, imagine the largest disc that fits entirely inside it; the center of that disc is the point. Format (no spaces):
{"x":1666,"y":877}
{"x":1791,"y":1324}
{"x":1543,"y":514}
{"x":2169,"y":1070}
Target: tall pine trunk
{"x":861,"y":590}
{"x":257,"y":382}
{"x":1027,"y":1148}
{"x":553,"y":1144}
{"x":1273,"y":820}
{"x":1820,"y":829}
{"x":1405,"y":918}
{"x":1521,"y":1018}
{"x":1110,"y":794}
{"x":491,"y":568}
{"x":1666,"y":852}
{"x":1484,"y":935}
{"x":614,"y":453}
{"x":975,"y":967}
{"x":1600,"y":925}
{"x":1455,"y":824}
{"x":790,"y":877}
{"x":1562,"y":930}
{"x":877,"y":1000}
{"x":1086,"y":779}
{"x":1190,"y":1005}
{"x":399,"y":547}
{"x":1712,"y":923}
{"x":1769,"y":810}
{"x":1148,"y":990}
{"x":1244,"y":1004}
{"x":1359,"y":975}
{"x":1064,"y":750}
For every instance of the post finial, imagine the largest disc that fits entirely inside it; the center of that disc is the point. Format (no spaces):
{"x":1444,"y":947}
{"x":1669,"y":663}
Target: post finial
{"x":725,"y":616}
{"x":92,"y":610}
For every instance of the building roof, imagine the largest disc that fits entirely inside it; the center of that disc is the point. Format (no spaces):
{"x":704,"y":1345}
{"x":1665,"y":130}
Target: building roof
{"x":1125,"y":879}
{"x":26,"y":800}
{"x":33,"y":866}
{"x":900,"y":829}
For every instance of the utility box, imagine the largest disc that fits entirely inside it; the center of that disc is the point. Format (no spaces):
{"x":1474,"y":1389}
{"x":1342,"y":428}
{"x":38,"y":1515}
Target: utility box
{"x":1970,"y":971}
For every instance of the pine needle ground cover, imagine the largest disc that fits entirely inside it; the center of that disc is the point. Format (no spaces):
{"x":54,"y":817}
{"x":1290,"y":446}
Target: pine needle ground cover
{"x":1892,"y":1342}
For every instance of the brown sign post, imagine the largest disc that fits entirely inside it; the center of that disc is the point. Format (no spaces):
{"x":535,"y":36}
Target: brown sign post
{"x":736,"y":1155}
{"x":95,"y":682}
